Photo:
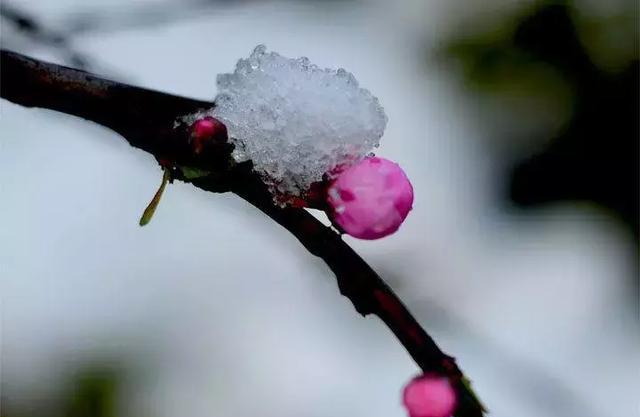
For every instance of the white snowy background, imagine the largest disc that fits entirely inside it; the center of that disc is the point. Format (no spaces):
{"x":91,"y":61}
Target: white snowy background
{"x":213,"y":310}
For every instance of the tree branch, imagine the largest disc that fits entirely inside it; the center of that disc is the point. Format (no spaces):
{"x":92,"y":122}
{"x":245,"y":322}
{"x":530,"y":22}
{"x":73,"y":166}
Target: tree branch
{"x":147,"y":120}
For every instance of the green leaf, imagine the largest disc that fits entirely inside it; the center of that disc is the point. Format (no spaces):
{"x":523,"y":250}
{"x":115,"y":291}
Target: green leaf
{"x":153,"y":204}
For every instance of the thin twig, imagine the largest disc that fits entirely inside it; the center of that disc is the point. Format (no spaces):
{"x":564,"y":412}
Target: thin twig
{"x":147,"y":120}
{"x":32,"y":28}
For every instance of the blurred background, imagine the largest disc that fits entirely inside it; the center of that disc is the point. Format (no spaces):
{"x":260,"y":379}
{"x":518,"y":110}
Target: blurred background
{"x":517,"y":122}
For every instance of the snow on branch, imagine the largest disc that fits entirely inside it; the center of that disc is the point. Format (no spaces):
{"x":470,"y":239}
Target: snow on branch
{"x":148,"y":120}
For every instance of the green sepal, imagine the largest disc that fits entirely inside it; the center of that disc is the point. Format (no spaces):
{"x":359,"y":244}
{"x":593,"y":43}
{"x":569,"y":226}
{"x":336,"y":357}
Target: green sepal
{"x":466,"y":382}
{"x":191,"y":173}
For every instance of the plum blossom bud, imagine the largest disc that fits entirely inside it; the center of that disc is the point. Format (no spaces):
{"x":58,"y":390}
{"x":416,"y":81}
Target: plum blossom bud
{"x":429,"y":396}
{"x":371,"y":199}
{"x":207,"y":129}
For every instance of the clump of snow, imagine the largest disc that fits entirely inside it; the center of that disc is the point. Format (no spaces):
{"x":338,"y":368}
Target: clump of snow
{"x":294,"y":120}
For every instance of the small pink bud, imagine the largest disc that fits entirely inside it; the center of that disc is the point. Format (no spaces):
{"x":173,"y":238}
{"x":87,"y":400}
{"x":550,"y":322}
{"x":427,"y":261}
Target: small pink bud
{"x":207,"y":129}
{"x":429,"y":396}
{"x":371,"y":199}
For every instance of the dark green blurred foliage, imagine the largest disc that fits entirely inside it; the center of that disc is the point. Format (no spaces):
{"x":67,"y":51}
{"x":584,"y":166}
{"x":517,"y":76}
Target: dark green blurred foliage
{"x":88,"y":391}
{"x":594,"y":156}
{"x":93,"y":393}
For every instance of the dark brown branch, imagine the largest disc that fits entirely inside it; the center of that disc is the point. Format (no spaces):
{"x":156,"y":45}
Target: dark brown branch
{"x":146,"y":119}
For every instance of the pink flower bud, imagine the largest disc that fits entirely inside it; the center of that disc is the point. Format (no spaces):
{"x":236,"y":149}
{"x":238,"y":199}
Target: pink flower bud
{"x":371,"y":199}
{"x":207,"y":129}
{"x":429,"y":396}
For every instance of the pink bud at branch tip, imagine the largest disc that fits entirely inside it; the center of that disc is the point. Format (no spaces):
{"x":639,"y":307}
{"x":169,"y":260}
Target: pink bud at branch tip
{"x":371,"y":199}
{"x":429,"y":396}
{"x":207,"y":129}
